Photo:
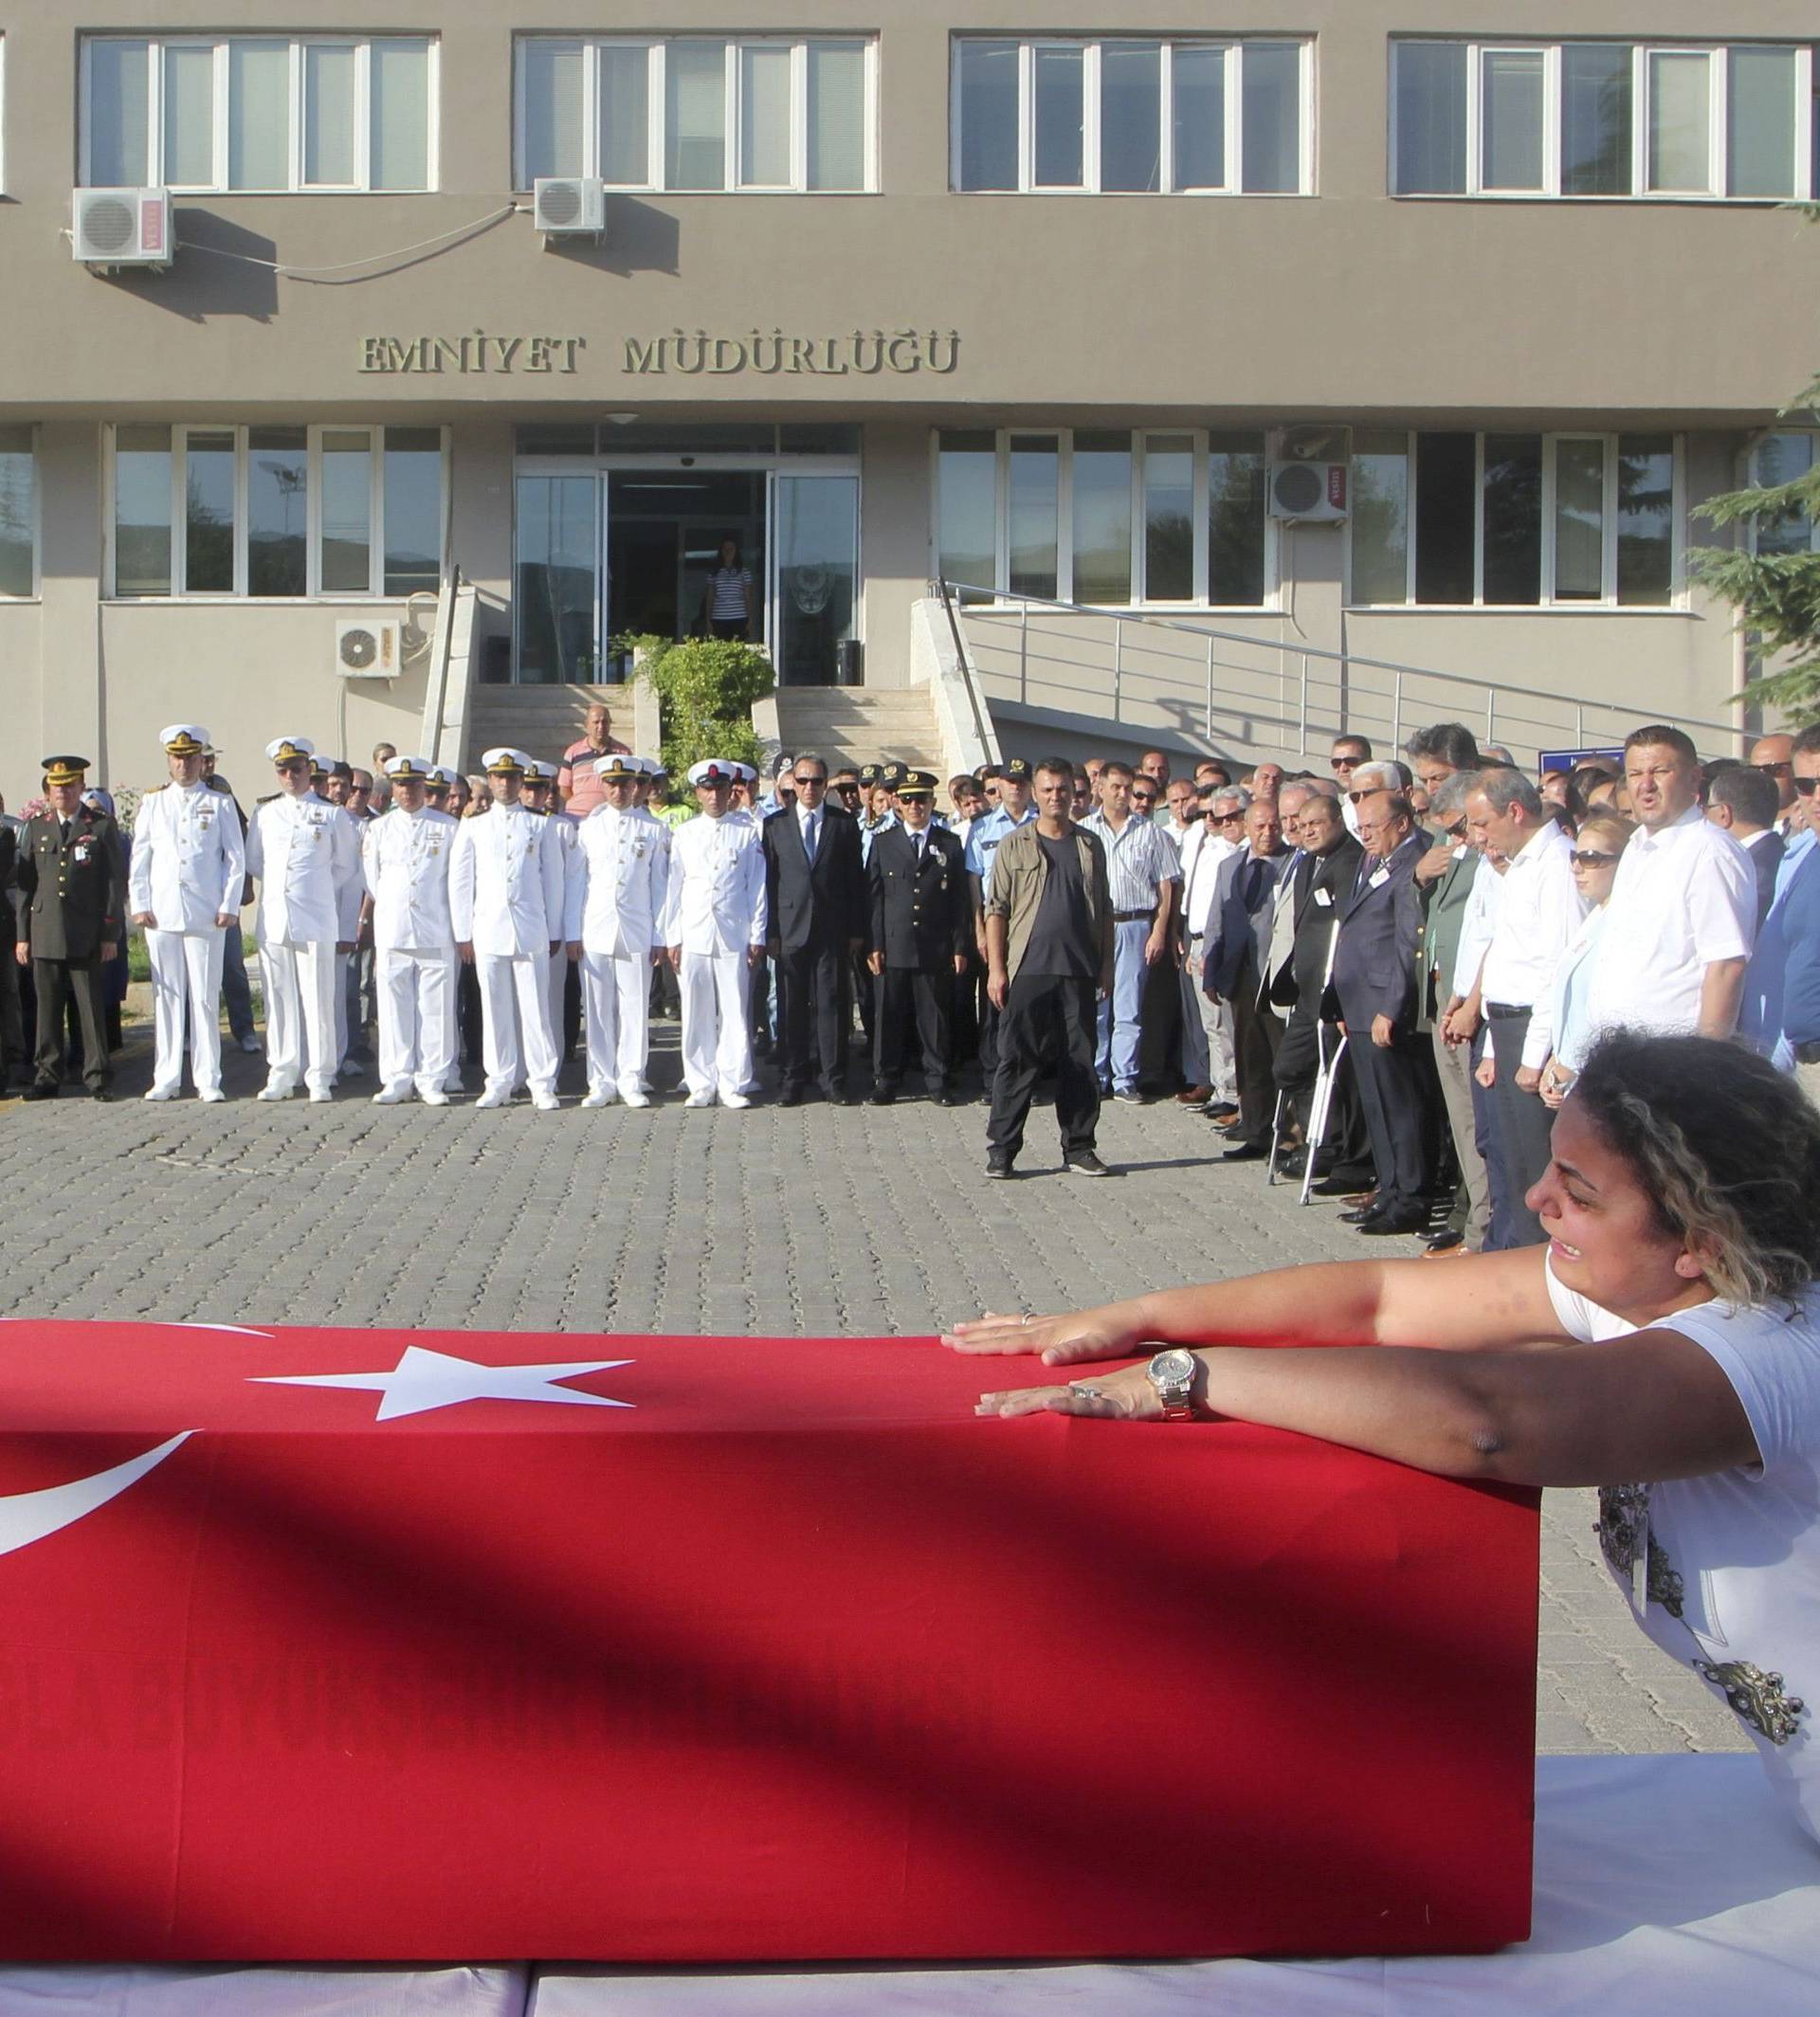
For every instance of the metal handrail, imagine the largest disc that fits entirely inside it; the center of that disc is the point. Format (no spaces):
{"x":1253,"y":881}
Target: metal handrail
{"x":1492,"y":690}
{"x":967,"y":677}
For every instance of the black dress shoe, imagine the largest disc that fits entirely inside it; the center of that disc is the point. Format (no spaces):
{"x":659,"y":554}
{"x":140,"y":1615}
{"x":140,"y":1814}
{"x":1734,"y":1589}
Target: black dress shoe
{"x":1407,"y":1220}
{"x":1362,"y":1216}
{"x":883,"y":1096}
{"x":100,"y":1092}
{"x":1337,"y":1186}
{"x":790,"y":1095}
{"x":1441,"y":1242}
{"x":1086,"y":1163}
{"x":998,"y":1166}
{"x":952,"y":1099}
{"x":43,"y":1089}
{"x":1246,"y":1152}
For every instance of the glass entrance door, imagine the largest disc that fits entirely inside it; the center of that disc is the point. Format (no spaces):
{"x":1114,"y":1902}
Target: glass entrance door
{"x":814,"y":594}
{"x":665,"y":530}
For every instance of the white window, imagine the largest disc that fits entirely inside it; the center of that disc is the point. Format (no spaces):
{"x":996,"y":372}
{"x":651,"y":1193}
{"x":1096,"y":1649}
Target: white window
{"x":1784,"y":458}
{"x":18,"y":511}
{"x":1132,"y":116}
{"x":1730,"y":121}
{"x":271,"y":511}
{"x":689,"y":113}
{"x":259,"y":113}
{"x":1515,"y":520}
{"x":1103,"y":516}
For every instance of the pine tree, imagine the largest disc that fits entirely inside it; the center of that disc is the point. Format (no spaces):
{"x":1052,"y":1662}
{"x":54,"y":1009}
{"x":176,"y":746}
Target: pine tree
{"x":1776,"y":594}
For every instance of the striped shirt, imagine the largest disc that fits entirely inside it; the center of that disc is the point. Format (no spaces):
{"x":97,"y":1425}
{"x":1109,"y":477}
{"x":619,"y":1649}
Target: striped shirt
{"x":1139,"y":860}
{"x":731,"y":590}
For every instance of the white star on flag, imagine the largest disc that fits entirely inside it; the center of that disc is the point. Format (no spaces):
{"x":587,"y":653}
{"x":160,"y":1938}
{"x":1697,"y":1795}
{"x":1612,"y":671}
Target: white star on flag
{"x":424,"y":1379}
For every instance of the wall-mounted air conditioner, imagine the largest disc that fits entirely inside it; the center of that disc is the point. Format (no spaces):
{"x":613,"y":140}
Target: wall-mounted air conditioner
{"x":1310,"y":493}
{"x":569,"y":206}
{"x":121,"y":227}
{"x":368,"y":651}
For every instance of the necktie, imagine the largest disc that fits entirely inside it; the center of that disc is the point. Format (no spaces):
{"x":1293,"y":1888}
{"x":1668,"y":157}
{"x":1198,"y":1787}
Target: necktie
{"x":65,"y":832}
{"x":808,"y":837}
{"x":919,"y":838}
{"x":1253,"y":880}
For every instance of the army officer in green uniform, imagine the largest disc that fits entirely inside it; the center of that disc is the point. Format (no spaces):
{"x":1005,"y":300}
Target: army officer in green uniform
{"x":72,"y":886}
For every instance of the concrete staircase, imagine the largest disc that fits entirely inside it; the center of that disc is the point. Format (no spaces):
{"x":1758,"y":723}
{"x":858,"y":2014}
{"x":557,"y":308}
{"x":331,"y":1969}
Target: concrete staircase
{"x":540,"y":720}
{"x":853,"y":724}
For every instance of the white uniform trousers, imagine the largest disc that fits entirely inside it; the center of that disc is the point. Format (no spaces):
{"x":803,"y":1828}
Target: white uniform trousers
{"x":559,"y":981}
{"x":616,"y":1002}
{"x":300,"y":1014}
{"x":716,"y":1027}
{"x":186,"y":966}
{"x":342,"y":962}
{"x":514,"y":1022}
{"x":416,"y":1018}
{"x":1215,"y":1026}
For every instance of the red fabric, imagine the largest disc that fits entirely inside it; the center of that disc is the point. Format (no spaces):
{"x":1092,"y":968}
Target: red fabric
{"x":795,"y":1659}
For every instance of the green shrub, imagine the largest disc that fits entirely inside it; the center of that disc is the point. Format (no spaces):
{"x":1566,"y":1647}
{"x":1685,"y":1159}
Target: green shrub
{"x":705,"y":688}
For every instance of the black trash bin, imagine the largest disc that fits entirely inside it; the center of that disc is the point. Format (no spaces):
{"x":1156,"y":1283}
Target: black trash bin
{"x":849,"y":662}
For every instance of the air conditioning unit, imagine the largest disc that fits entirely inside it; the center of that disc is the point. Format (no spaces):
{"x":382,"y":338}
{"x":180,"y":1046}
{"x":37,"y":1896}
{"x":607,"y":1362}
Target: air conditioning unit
{"x":569,"y":206}
{"x":1310,"y":493}
{"x":368,"y":651}
{"x":121,"y":227}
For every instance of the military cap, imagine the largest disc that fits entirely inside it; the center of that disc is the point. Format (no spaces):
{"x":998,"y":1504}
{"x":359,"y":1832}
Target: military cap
{"x":781,"y":765}
{"x":409,"y":771}
{"x":507,"y":762}
{"x":714,"y":770}
{"x":618,"y":768}
{"x":918,"y":784}
{"x":65,"y":770}
{"x":287,"y":748}
{"x":537,"y":772}
{"x":182,"y":739}
{"x":868,"y":774}
{"x":1018,"y":772}
{"x":441,"y":775}
{"x":744,"y":773}
{"x":892,"y":775}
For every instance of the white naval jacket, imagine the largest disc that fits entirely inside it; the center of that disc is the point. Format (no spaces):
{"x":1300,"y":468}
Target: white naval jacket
{"x":506,"y":892}
{"x":305,"y":854}
{"x":626,"y":878}
{"x":716,"y":900}
{"x":574,"y":877}
{"x":406,"y":856}
{"x":188,"y":859}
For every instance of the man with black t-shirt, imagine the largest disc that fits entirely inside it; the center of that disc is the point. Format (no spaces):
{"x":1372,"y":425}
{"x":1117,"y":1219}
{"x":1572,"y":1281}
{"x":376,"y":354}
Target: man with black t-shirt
{"x":1049,"y":957}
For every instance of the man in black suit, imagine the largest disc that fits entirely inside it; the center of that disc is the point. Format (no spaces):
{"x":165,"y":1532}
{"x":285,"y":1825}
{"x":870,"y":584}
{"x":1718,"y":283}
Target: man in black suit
{"x":1374,"y":975}
{"x":815,"y":889}
{"x":921,"y":919}
{"x":1238,"y":946}
{"x":72,"y":885}
{"x":1321,"y":887}
{"x":1744,"y":800}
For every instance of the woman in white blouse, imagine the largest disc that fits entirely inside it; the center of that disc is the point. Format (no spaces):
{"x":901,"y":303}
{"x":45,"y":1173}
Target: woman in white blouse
{"x":1558,"y":1026}
{"x":1683,"y":1247}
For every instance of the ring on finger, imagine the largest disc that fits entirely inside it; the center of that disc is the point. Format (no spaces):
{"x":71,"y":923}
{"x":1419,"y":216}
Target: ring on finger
{"x":1086,"y":1393}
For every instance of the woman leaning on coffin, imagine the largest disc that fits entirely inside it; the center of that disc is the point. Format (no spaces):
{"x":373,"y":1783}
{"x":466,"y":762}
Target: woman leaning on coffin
{"x":1682,"y":1212}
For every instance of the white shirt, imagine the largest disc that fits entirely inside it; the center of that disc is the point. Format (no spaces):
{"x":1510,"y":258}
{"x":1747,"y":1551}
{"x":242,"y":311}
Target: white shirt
{"x":305,"y":854}
{"x":1140,"y":858}
{"x":506,"y":884}
{"x":625,"y":864}
{"x":1538,"y":913}
{"x":189,"y":858}
{"x":407,"y":857}
{"x":715,"y":900}
{"x":1477,"y":926}
{"x":1744,"y":1543}
{"x":1681,"y":899}
{"x":1206,"y":849}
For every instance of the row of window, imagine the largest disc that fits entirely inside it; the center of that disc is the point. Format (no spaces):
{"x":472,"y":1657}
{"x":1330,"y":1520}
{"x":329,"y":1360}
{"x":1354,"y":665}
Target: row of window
{"x":1053,"y":114}
{"x":1602,"y":119}
{"x":1084,"y":515}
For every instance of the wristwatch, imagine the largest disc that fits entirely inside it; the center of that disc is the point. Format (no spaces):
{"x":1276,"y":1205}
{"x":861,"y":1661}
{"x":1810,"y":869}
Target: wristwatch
{"x":1172,"y":1373}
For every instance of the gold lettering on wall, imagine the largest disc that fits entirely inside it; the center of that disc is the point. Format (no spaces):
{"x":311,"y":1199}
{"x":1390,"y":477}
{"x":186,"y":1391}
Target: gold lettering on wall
{"x":684,"y":353}
{"x":471,"y":356}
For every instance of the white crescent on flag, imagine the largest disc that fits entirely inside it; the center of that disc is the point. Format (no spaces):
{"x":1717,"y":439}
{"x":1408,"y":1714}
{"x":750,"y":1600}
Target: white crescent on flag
{"x":27,"y":1517}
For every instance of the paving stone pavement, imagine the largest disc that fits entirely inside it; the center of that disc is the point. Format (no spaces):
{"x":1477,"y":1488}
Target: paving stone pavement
{"x":668,"y":1219}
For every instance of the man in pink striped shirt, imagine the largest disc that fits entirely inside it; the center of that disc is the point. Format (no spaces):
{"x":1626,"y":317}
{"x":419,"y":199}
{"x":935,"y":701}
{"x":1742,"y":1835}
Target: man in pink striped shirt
{"x":576,"y":779}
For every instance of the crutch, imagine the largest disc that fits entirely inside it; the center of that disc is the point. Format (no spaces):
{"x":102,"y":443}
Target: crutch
{"x":1321,"y":1106}
{"x":1276,"y":1139}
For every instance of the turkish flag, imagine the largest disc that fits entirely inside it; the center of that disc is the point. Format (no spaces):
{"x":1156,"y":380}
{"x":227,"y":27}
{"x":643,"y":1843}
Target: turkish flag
{"x":354,"y":1645}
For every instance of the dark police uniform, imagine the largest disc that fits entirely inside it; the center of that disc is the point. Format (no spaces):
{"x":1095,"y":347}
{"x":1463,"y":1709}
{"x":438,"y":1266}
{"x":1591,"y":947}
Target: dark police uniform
{"x":921,"y":917}
{"x":72,"y":884}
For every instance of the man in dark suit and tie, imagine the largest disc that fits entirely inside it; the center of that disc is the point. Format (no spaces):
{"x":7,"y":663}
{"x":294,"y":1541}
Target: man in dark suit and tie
{"x":1322,"y":887}
{"x":922,"y":920}
{"x":1374,"y":975}
{"x":815,"y":888}
{"x":1237,"y":949}
{"x":1744,"y":800}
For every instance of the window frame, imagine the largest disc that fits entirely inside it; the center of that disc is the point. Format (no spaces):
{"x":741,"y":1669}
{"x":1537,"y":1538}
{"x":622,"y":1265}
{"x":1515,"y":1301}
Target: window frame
{"x":1547,"y":603}
{"x":36,"y":526}
{"x":220,"y":185}
{"x":314,"y":592}
{"x":1753,"y":479}
{"x":1003,"y":596}
{"x":1806,"y":78}
{"x":1232,"y":48}
{"x":656,"y":109}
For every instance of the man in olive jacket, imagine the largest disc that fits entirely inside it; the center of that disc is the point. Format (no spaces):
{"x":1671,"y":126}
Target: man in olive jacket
{"x":1049,"y":957}
{"x":72,"y":889}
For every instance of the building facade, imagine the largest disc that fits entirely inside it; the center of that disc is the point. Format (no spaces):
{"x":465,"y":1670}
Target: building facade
{"x":883,"y":296}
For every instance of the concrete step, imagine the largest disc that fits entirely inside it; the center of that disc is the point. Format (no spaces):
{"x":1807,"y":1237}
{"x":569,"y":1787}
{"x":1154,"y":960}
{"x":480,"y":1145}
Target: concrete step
{"x":541,"y":720}
{"x":849,"y":724}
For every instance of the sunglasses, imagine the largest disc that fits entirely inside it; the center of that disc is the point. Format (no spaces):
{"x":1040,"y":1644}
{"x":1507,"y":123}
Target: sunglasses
{"x":1804,"y":786}
{"x":1774,"y":769}
{"x":800,"y":782}
{"x":1590,"y":858}
{"x":1345,"y":763}
{"x":1457,"y":831}
{"x":1225,"y":819}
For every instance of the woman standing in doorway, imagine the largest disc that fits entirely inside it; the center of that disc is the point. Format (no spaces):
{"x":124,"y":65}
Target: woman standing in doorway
{"x":726,"y":603}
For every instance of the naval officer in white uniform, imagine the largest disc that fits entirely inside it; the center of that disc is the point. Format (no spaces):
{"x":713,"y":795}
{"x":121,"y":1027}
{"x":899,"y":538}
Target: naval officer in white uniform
{"x":505,"y":900}
{"x":406,"y":853}
{"x":540,"y":796}
{"x":714,"y":927}
{"x":305,"y":856}
{"x":184,"y":885}
{"x":625,"y":855}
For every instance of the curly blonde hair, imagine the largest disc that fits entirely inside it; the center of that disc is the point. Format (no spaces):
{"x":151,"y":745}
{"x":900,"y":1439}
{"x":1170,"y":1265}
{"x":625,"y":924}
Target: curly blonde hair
{"x":1725,"y":1146}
